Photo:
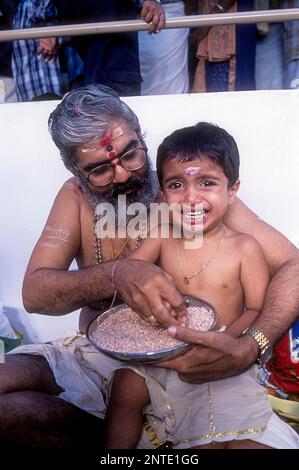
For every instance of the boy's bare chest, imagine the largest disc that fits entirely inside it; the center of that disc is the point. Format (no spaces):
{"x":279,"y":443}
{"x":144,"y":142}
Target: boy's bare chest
{"x":200,"y":270}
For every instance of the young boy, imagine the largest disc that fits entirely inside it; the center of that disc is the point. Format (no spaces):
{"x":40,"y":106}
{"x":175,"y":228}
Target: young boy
{"x":199,"y":166}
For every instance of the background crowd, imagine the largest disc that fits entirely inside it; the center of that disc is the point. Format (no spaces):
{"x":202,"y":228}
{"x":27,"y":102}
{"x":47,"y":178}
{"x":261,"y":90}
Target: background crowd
{"x":221,"y":58}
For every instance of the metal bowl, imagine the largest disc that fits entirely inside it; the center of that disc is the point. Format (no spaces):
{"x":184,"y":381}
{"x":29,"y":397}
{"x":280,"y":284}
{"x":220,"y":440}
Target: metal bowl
{"x":148,"y":357}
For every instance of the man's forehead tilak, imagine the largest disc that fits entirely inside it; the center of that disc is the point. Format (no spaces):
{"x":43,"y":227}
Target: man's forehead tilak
{"x":105,"y":141}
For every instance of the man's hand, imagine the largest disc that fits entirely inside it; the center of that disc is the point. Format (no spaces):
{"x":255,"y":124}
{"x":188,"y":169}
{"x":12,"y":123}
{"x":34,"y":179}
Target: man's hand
{"x":154,"y":14}
{"x":213,"y":355}
{"x":48,"y":49}
{"x":149,"y":291}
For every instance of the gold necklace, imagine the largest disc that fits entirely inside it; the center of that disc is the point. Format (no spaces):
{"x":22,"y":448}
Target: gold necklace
{"x":99,"y":255}
{"x":111,"y":248}
{"x":98,"y":244}
{"x":186,"y":278}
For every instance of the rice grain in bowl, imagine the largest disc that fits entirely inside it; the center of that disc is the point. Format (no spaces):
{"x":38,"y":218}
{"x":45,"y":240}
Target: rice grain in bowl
{"x":122,"y":334}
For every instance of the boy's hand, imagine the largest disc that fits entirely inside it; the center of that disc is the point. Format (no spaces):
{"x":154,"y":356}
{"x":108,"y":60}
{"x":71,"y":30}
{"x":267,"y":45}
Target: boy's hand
{"x":154,"y":14}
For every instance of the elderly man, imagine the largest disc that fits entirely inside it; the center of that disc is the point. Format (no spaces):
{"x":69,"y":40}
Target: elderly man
{"x":51,"y":394}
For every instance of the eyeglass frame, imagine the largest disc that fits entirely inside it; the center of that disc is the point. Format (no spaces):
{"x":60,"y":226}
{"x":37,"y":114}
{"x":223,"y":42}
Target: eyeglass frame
{"x":86,"y":178}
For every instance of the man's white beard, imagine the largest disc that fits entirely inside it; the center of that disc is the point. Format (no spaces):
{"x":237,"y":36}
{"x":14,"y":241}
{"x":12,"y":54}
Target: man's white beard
{"x":146,"y":193}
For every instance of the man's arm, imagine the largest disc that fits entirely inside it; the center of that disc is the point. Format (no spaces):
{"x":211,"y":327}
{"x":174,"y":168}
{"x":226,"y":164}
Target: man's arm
{"x":281,"y":306}
{"x":49,"y":288}
{"x":48,"y":285}
{"x":276,"y":247}
{"x":216,"y":355}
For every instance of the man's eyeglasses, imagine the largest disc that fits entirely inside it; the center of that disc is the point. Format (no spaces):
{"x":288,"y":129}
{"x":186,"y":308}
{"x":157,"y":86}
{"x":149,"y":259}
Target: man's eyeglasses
{"x":104,"y":174}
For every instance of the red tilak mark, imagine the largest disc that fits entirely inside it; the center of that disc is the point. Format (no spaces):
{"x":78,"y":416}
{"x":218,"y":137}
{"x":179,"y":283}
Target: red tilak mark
{"x":106,"y":140}
{"x":112,"y":154}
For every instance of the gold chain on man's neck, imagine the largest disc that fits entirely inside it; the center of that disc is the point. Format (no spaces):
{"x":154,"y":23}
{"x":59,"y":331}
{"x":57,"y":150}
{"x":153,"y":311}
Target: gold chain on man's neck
{"x":99,"y":253}
{"x":98,"y":244}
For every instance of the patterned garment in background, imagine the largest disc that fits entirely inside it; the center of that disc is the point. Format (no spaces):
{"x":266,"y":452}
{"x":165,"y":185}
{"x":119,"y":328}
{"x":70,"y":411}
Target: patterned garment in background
{"x":216,"y":54}
{"x":280,"y":375}
{"x":281,"y":372}
{"x":33,"y":76}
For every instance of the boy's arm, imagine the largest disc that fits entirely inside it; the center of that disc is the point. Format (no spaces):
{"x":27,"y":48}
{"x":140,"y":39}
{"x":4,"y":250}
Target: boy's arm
{"x":149,"y":250}
{"x":254,"y":277}
{"x":242,"y":323}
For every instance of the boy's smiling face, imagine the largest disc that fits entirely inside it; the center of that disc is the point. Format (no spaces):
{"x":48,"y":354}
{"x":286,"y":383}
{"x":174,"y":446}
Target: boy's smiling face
{"x":202,"y":185}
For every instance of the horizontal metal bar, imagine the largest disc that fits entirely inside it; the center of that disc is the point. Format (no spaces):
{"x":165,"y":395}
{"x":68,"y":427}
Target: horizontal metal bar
{"x":193,"y":21}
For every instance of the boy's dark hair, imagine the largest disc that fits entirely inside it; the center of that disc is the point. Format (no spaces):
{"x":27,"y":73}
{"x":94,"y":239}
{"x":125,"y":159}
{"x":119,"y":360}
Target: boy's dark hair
{"x":202,"y":140}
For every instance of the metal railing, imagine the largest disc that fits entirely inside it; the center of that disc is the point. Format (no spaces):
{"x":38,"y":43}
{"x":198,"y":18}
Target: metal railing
{"x":193,"y":21}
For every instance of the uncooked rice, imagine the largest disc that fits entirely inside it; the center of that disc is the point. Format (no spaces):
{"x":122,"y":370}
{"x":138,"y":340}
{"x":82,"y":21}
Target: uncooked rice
{"x":126,"y":332}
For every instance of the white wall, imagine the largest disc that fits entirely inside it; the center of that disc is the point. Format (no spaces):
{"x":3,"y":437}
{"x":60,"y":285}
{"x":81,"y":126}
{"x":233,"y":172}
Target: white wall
{"x":264,"y":124}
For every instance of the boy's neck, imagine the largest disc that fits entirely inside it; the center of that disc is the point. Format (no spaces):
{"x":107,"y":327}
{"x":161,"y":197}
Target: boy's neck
{"x":207,"y":234}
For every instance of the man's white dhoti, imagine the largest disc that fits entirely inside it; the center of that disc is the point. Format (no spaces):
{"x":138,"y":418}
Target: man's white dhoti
{"x":79,"y":369}
{"x":164,"y":57}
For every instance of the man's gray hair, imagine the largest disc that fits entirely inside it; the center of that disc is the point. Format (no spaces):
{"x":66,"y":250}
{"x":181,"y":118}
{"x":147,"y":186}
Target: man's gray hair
{"x":84,"y":115}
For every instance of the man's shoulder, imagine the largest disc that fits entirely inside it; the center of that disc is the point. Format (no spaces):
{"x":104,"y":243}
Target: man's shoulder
{"x":71,"y":184}
{"x":71,"y":187}
{"x":71,"y":193}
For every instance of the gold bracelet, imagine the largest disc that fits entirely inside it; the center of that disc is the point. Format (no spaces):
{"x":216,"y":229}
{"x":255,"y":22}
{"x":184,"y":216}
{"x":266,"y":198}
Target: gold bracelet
{"x":113,"y":274}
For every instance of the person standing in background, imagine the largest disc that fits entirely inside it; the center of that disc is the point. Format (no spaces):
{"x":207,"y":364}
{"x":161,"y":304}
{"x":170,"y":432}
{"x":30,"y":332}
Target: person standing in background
{"x":7,"y":85}
{"x":225,"y":53}
{"x":277,"y":52}
{"x":111,"y":59}
{"x":164,"y":57}
{"x":35,"y":76}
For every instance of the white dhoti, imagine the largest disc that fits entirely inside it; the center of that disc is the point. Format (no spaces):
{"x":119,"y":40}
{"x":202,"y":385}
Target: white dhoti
{"x":186,"y":414}
{"x":190,"y":415}
{"x":79,"y":369}
{"x":164,"y":57}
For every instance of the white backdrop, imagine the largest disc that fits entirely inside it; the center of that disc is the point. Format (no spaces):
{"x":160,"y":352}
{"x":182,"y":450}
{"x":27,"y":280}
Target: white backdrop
{"x":264,"y":124}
